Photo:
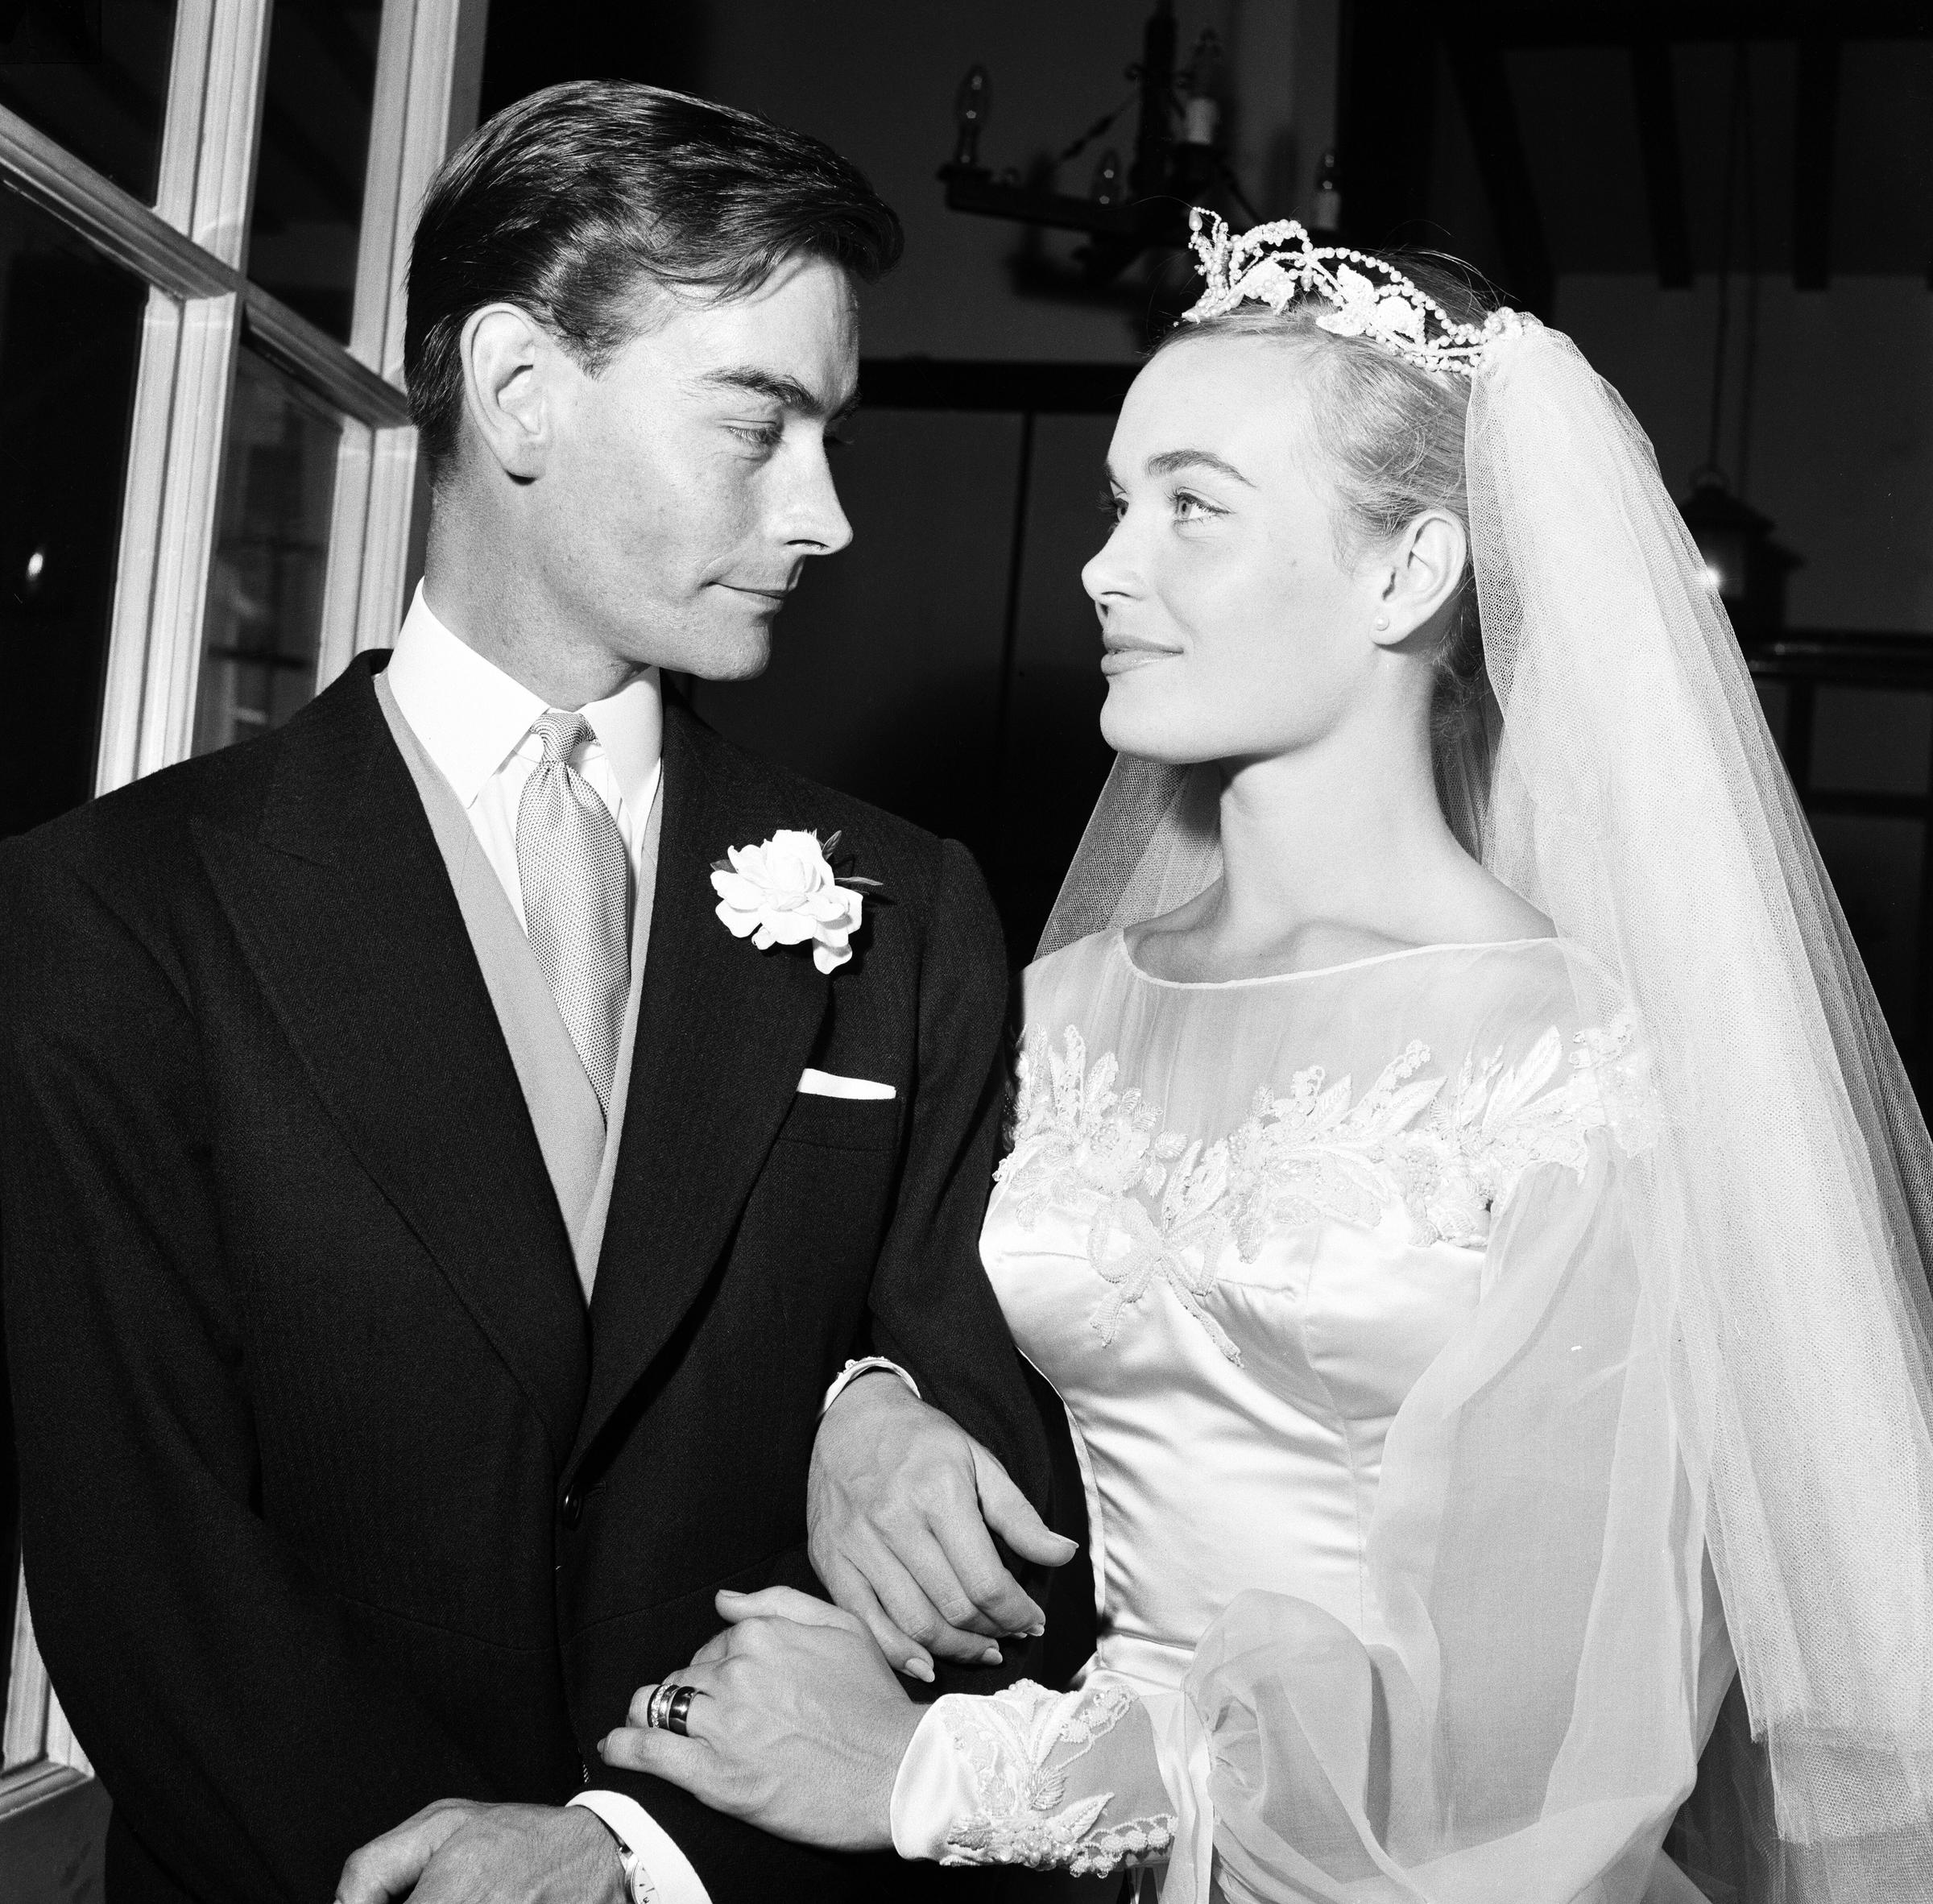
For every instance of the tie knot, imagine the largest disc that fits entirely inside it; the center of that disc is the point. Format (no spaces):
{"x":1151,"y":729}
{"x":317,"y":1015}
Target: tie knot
{"x":561,"y":735}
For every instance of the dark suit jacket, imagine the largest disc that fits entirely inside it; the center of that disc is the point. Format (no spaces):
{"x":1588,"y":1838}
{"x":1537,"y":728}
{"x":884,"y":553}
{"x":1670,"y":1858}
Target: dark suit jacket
{"x":335,"y":1501}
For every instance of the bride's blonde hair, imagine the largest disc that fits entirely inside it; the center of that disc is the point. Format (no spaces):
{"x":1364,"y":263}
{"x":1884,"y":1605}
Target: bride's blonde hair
{"x":1392,"y":440}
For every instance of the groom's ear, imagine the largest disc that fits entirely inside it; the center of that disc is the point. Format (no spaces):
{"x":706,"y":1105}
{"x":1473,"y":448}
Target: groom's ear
{"x":508,"y":364}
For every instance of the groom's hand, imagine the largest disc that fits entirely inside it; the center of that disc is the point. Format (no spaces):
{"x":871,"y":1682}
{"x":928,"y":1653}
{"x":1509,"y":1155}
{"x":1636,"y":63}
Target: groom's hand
{"x":899,"y":1505}
{"x":797,"y":1724}
{"x":455,"y":1852}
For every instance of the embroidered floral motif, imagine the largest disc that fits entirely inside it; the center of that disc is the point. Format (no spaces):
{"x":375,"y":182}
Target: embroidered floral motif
{"x":1447,"y":1153}
{"x":1015,"y":1744}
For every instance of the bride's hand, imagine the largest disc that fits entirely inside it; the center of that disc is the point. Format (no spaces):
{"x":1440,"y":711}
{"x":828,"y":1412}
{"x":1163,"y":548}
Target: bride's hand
{"x":903,"y":1506}
{"x":798,"y":1726}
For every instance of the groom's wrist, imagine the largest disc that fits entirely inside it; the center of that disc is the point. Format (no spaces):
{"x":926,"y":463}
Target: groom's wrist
{"x":620,"y":1873}
{"x":654,"y":1870}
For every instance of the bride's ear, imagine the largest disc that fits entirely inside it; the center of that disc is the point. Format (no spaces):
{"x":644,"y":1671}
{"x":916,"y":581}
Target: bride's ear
{"x":1419,"y":577}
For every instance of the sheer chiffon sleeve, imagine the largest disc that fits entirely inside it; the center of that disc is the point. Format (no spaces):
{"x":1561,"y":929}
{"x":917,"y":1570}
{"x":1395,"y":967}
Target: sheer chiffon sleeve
{"x":1540,"y":1655}
{"x":1524,"y":1712}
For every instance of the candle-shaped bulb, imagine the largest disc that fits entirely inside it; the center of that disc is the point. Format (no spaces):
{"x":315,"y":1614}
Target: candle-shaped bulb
{"x":969,"y":110}
{"x":1202,"y":108}
{"x":1328,"y":214}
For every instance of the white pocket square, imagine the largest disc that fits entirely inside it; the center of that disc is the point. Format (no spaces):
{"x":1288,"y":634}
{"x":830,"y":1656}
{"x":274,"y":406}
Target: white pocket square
{"x":829,"y":1084}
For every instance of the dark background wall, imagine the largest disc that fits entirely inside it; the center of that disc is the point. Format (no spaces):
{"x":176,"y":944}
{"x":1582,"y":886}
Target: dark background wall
{"x":1621,"y":166}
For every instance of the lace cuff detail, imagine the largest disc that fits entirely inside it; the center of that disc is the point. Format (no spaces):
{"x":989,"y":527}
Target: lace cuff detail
{"x":1065,"y":1781}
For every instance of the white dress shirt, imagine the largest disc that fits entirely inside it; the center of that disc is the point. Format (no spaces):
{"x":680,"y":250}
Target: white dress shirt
{"x":474,"y":721}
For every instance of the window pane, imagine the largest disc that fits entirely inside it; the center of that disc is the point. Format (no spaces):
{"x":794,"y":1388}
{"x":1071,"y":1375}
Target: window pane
{"x":271,"y":547}
{"x":315,"y":144}
{"x":94,"y":74}
{"x":70,"y":327}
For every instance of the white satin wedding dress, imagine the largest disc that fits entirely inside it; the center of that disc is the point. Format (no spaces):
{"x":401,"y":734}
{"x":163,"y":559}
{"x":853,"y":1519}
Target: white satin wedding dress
{"x":1246,"y":1229}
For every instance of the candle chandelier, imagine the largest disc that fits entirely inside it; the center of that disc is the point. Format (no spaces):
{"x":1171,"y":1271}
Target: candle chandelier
{"x":1178,"y":160}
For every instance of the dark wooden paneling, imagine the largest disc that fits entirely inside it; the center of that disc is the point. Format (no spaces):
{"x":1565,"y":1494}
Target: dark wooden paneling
{"x":1814,"y":149}
{"x":921,"y":670}
{"x":885,"y":674}
{"x":1657,"y":99}
{"x":1054,"y":760}
{"x":1385,"y":120}
{"x":1476,"y":64}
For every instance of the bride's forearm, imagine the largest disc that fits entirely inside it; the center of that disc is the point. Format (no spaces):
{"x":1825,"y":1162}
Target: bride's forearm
{"x":1066,"y":1780}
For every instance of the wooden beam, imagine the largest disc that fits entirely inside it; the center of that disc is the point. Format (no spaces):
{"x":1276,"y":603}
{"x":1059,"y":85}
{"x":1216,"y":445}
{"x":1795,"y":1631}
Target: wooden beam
{"x":1476,"y":64}
{"x":1651,"y":81}
{"x":1815,"y":122}
{"x":1622,"y":22}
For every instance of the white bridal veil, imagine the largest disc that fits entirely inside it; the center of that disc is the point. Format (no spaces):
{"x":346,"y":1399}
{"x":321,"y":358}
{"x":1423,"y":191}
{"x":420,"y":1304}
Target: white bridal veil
{"x":1773,"y":1391}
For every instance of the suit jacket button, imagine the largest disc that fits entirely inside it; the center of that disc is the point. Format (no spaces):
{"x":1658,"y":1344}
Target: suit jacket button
{"x":574,"y":1507}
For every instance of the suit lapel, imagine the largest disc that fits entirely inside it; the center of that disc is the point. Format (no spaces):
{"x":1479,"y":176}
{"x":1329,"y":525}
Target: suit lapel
{"x":723,"y":1032}
{"x":344,"y":906}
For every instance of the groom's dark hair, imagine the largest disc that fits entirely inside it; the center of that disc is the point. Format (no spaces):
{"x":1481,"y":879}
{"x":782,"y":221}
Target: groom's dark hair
{"x":568,"y":202}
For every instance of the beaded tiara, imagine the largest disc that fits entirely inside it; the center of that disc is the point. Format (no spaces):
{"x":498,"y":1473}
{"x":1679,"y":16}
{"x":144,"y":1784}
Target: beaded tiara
{"x":1275,"y":263}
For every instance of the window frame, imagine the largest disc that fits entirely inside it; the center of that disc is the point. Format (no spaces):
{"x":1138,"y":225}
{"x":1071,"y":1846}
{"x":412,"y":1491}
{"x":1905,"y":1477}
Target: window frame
{"x":191,"y":248}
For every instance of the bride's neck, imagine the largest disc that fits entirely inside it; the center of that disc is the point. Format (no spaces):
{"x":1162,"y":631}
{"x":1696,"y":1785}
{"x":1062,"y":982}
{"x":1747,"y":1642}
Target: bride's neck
{"x":1346,"y":833}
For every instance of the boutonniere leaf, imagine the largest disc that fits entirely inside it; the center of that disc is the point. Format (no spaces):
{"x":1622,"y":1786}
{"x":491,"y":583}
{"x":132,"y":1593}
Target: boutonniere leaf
{"x":845,"y":879}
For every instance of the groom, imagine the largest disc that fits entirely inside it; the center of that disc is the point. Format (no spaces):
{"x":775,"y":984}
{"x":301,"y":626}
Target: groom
{"x":432,"y":1220}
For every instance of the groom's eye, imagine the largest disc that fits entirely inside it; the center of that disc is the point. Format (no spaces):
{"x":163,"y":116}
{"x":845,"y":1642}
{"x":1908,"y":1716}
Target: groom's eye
{"x":765,"y":435}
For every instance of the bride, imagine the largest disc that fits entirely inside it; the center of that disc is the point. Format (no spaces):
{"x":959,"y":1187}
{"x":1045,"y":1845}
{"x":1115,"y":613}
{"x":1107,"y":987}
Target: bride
{"x":1461,"y":1188}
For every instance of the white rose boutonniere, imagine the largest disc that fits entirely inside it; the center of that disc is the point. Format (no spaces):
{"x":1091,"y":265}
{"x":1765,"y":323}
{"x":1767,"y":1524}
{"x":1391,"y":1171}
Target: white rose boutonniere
{"x":785,"y":892}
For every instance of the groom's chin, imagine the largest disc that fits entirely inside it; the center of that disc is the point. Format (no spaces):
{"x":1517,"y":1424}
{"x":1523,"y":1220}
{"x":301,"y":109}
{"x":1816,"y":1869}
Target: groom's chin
{"x":732,"y":648}
{"x":744,"y":661}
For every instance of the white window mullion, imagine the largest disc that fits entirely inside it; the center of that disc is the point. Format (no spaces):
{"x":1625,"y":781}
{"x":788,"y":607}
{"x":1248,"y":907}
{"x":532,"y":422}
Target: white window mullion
{"x":187,"y":373}
{"x":429,"y":62}
{"x":204,"y":378}
{"x":168,"y":476}
{"x":234,"y":69}
{"x":36,"y":1742}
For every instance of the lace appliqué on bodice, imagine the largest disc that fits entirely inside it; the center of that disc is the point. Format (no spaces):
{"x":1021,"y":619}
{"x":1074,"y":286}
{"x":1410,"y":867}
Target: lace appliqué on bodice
{"x":1446,"y":1153}
{"x":1021,"y":1745}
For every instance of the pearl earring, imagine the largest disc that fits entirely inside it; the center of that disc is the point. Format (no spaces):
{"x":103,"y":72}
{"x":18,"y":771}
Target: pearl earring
{"x":1382,"y":621}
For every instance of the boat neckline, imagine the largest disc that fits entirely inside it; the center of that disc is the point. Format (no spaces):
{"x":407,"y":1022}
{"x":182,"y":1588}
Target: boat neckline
{"x":1325,"y":971}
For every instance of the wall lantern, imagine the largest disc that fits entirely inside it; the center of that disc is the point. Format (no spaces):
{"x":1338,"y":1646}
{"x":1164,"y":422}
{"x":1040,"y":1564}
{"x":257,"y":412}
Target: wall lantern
{"x":1742,"y":562}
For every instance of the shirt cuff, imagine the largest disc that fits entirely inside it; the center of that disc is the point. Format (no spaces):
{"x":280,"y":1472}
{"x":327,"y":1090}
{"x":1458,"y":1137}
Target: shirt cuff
{"x":934,"y":1793}
{"x":658,"y":1872}
{"x":853,"y":1370}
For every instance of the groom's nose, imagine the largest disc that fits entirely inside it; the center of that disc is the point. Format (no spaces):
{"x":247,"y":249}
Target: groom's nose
{"x":812,"y":519}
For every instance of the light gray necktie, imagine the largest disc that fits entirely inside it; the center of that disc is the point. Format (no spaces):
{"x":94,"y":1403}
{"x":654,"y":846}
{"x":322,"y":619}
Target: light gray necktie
{"x":572,"y":868}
